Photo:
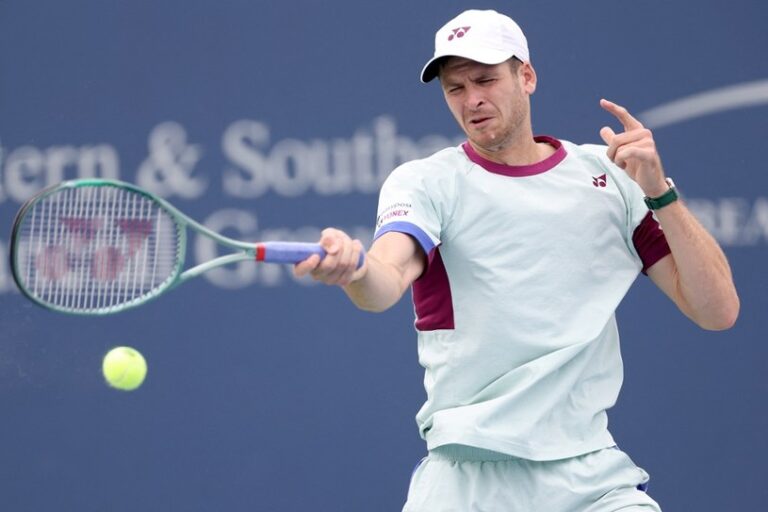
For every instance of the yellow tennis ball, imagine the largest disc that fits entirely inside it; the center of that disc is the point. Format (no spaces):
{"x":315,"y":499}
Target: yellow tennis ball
{"x":124,"y":368}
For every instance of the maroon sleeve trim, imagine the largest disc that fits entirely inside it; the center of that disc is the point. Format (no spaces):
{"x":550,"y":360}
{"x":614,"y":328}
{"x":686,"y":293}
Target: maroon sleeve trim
{"x":650,"y":243}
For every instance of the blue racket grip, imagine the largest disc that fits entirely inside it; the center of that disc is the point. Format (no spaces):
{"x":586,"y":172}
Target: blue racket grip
{"x":292,"y":252}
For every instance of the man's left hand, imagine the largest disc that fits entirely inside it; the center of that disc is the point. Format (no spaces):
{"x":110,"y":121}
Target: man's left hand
{"x":634,"y":150}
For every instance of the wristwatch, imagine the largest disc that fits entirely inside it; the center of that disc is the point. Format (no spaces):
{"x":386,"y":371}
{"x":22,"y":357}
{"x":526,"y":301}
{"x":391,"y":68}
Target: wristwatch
{"x":670,"y":196}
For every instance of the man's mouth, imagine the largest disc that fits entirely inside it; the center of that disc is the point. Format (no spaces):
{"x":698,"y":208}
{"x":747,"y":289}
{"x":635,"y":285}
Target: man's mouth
{"x":479,"y":121}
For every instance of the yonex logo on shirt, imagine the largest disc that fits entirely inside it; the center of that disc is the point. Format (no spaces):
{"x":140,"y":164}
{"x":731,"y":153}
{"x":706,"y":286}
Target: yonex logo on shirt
{"x":600,"y":181}
{"x":389,"y":215}
{"x":458,"y":32}
{"x":393,"y":210}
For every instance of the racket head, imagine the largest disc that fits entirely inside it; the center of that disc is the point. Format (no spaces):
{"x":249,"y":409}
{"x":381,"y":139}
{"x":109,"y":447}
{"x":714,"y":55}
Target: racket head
{"x":96,"y":247}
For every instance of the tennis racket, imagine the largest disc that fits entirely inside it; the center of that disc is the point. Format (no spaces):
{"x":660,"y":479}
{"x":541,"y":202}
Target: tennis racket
{"x":96,"y":247}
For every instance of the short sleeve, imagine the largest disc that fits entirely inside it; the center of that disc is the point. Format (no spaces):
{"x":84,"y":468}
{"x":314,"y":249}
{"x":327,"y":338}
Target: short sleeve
{"x":643,"y":234}
{"x":407,"y":205}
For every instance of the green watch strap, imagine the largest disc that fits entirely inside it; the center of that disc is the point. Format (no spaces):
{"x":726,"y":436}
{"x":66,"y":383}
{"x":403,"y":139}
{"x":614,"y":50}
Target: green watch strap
{"x":668,"y":197}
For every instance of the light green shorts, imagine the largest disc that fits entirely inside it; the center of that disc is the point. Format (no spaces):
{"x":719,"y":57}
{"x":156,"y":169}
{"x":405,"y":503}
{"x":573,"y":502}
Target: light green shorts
{"x":463,"y":479}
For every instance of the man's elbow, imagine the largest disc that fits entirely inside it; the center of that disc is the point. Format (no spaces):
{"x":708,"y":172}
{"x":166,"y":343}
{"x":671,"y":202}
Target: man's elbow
{"x":724,"y":318}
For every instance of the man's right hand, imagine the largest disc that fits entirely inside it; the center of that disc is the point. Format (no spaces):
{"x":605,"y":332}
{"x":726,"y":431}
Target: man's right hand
{"x":340,"y":265}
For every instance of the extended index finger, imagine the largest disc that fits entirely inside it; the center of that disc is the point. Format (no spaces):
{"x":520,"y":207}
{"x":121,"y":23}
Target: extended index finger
{"x":622,"y":114}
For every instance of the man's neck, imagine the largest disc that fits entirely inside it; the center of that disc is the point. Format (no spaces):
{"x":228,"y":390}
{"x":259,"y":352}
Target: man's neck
{"x":524,"y":152}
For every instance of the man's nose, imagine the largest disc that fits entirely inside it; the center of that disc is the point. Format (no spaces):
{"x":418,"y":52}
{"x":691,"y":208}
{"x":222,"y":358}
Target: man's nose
{"x":475,"y":98}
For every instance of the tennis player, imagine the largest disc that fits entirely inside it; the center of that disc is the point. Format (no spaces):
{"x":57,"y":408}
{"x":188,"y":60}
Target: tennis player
{"x":518,"y":249}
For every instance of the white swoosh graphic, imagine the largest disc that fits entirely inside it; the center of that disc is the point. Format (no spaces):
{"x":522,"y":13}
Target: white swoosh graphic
{"x":731,"y":97}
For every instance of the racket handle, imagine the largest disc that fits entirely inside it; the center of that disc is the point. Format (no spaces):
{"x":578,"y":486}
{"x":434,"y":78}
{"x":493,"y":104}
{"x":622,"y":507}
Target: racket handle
{"x":291,"y":252}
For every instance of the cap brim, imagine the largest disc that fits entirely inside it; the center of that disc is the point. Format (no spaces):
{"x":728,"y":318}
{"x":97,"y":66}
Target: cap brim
{"x":430,"y":71}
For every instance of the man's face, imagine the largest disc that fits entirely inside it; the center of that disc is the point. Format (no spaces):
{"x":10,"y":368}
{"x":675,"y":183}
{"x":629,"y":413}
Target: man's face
{"x":490,"y":102}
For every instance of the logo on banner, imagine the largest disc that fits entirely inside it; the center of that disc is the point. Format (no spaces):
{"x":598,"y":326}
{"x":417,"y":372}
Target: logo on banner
{"x":734,"y":221}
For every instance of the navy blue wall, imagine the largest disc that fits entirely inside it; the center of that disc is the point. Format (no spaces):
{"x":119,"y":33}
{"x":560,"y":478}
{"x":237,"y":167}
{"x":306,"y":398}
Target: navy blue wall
{"x":275,"y":119}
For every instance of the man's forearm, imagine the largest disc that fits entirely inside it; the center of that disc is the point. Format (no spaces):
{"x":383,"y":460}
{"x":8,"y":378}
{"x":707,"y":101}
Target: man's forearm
{"x":380,"y":288}
{"x":703,"y":281}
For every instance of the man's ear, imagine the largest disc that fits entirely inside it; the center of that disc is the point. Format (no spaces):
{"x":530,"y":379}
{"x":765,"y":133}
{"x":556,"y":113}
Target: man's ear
{"x":528,"y":75}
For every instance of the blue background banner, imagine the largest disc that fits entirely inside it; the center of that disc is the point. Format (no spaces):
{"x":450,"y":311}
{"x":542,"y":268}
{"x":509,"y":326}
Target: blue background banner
{"x":270,"y":120}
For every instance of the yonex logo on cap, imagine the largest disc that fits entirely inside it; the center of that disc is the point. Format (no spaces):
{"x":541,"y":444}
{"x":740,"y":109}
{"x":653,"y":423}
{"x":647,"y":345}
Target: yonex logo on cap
{"x":458,"y":32}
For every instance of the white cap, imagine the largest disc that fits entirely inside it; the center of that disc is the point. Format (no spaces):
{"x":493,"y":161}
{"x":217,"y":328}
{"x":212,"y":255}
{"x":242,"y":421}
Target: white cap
{"x":482,"y":36}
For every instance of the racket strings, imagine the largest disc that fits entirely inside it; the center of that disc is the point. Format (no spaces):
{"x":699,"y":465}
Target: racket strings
{"x":96,"y":248}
